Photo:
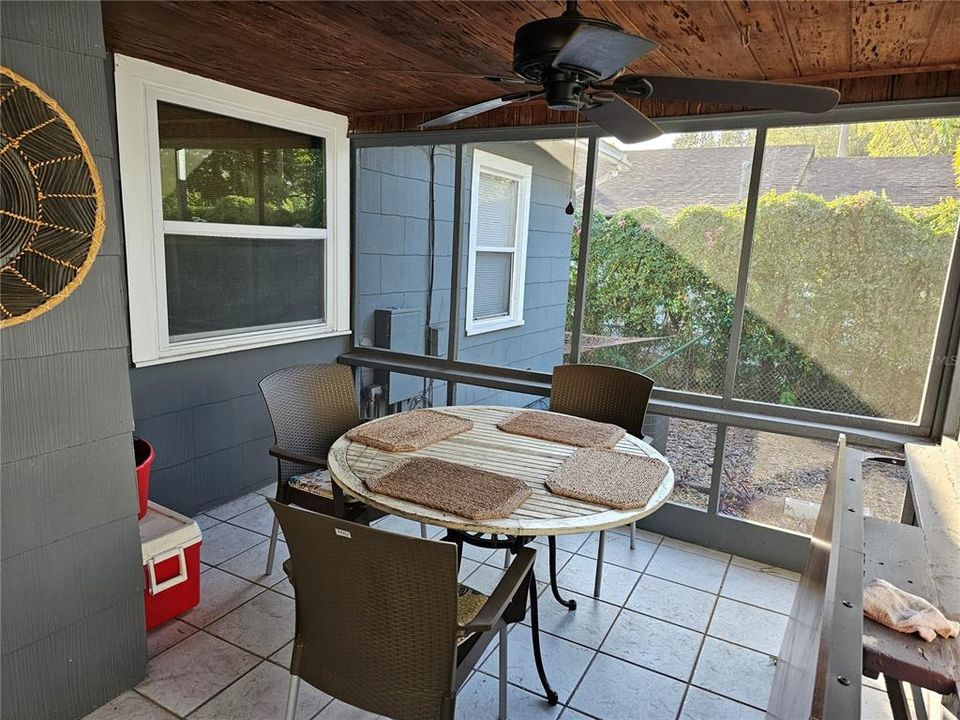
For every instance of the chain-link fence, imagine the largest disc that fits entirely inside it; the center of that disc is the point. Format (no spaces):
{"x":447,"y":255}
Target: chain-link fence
{"x":699,"y":366}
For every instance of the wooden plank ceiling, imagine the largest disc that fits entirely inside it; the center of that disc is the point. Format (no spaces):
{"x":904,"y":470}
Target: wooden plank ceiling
{"x":360,"y":58}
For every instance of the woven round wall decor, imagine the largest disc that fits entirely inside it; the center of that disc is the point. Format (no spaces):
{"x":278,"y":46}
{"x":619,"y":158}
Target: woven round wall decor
{"x":52,"y":213}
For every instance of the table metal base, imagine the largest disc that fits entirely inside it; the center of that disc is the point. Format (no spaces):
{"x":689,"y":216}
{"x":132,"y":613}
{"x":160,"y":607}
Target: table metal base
{"x":570,"y":604}
{"x":512,"y":544}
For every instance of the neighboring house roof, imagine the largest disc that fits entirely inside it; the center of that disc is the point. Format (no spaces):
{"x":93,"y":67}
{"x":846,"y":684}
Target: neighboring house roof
{"x":674,"y":178}
{"x":912,"y":181}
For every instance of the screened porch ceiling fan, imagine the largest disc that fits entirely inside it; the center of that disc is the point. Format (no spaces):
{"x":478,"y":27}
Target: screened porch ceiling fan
{"x":578,"y":61}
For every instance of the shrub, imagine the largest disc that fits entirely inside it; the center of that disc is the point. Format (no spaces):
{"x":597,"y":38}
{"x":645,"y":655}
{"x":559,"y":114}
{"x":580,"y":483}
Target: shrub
{"x":842,"y":298}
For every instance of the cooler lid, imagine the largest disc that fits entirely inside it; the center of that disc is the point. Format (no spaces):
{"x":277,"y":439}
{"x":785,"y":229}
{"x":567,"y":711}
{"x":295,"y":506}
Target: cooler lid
{"x":162,"y":530}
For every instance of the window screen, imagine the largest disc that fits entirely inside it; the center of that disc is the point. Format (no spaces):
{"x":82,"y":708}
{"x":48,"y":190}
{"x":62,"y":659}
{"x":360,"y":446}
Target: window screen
{"x":217,"y":284}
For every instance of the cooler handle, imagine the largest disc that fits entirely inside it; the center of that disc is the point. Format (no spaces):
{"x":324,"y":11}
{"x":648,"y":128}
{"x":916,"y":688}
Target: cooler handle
{"x":181,"y":577}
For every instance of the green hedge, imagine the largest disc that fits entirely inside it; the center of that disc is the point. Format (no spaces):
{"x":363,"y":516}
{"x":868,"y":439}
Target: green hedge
{"x":843,"y":298}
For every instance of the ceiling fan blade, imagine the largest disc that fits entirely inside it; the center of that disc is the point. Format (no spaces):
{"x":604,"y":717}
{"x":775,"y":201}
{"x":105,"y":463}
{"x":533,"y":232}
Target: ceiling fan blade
{"x":623,"y":121}
{"x":499,"y":79}
{"x":601,"y":51}
{"x":751,"y":93}
{"x":485,"y":106}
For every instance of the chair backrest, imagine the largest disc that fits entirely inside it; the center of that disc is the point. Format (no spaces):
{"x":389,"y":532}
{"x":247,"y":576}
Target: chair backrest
{"x":376,"y":615}
{"x":310,"y":407}
{"x":602,"y":393}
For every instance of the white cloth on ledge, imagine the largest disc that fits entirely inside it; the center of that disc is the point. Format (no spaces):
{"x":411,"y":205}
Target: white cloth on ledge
{"x":906,"y":613}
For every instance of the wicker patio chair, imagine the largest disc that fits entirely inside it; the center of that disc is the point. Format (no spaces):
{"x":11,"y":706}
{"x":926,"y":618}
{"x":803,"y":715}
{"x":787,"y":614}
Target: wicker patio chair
{"x":381,"y":622}
{"x":310,"y":407}
{"x":605,"y":394}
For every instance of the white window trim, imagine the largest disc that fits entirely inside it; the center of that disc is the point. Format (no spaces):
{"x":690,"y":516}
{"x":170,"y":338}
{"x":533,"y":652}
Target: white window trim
{"x":139,"y":85}
{"x":514,"y":170}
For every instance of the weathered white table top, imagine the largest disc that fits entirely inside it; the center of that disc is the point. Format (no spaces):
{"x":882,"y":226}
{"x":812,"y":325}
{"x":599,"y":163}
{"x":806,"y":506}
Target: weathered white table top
{"x":485,"y":446}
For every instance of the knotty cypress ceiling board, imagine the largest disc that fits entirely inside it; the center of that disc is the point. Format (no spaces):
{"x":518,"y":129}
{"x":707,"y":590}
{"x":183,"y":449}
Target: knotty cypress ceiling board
{"x":359,"y":58}
{"x":897,"y":34}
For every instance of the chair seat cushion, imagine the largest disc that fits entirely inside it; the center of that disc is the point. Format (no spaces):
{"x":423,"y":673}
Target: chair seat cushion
{"x":317,"y":482}
{"x":469,"y":602}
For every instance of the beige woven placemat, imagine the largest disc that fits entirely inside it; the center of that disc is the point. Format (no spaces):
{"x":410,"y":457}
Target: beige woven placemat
{"x":409,"y":431}
{"x":469,"y":492}
{"x":606,"y":477}
{"x":565,"y":429}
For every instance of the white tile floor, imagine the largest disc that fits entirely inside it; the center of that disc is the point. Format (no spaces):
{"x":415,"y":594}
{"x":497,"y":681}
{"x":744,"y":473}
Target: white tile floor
{"x":680,"y":632}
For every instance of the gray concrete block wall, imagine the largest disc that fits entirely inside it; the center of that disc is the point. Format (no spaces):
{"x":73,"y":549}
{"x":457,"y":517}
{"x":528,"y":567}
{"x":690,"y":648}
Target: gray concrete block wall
{"x":391,"y":185}
{"x":72,"y":582}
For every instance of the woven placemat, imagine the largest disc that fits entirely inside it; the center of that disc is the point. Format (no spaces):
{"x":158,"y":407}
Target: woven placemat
{"x":409,"y":431}
{"x":606,"y":477}
{"x":565,"y":429}
{"x":469,"y":492}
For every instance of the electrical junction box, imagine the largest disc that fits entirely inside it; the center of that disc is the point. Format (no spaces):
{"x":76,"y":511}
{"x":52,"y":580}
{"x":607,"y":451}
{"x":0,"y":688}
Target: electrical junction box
{"x":401,"y":330}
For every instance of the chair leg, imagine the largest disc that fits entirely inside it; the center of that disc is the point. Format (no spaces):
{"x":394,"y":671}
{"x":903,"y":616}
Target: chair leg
{"x":503,"y":674}
{"x":898,"y":700}
{"x":599,"y":578}
{"x":503,"y":654}
{"x":633,"y":536}
{"x":423,"y":530}
{"x":273,"y":546}
{"x":291,"y":713}
{"x":919,"y":703}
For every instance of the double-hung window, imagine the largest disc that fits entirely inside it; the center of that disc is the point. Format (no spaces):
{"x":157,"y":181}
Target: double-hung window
{"x":499,"y":216}
{"x":236,"y":216}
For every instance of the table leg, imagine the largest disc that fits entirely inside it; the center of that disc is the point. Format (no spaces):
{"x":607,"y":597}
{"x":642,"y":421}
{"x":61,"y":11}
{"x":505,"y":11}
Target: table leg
{"x":568,"y":604}
{"x":457,"y":539}
{"x":548,"y":691}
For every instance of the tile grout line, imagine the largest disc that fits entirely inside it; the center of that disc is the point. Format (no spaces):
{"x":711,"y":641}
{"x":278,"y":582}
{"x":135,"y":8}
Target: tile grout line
{"x":596,"y":652}
{"x":154,"y":702}
{"x":703,"y":640}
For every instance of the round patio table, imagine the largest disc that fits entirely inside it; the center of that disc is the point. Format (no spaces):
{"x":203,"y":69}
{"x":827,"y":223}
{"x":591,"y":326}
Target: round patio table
{"x":487,"y":447}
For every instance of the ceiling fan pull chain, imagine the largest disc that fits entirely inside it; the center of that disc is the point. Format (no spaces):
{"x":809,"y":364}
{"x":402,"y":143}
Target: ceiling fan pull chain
{"x":573,"y":165}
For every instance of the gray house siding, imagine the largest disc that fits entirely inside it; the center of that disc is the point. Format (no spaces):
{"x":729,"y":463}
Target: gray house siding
{"x":208,"y":423}
{"x":538,"y":343}
{"x":392,"y":244}
{"x":72,"y":583}
{"x":393,"y":261}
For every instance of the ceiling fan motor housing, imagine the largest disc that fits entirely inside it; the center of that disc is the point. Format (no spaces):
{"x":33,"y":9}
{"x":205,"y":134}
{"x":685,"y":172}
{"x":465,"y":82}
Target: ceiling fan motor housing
{"x":536,"y":44}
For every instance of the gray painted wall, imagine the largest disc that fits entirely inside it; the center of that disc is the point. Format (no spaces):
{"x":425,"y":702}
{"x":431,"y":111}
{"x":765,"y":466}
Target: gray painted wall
{"x":393,"y":263}
{"x":208,"y":423}
{"x":538,"y":343}
{"x":72,"y":583}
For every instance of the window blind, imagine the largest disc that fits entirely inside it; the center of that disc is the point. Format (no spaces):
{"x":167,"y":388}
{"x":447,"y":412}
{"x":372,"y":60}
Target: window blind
{"x":497,"y":211}
{"x":493,"y":272}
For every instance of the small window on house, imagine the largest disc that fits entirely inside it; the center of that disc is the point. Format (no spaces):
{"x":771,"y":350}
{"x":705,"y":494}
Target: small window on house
{"x":499,"y":212}
{"x":235,"y":216}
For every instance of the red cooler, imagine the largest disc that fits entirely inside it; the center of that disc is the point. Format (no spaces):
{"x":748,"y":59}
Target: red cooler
{"x":171,"y":563}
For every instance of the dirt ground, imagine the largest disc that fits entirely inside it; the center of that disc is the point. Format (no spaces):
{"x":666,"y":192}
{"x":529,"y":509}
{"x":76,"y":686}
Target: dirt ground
{"x":761,"y":470}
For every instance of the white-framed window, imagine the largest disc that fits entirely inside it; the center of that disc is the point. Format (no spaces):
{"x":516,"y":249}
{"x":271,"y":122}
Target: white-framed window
{"x":499,"y":217}
{"x":236,"y":215}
